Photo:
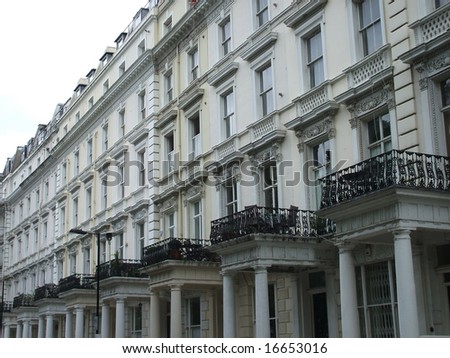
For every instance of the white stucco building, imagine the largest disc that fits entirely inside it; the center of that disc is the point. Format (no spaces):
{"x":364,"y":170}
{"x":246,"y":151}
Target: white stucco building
{"x":264,"y":169}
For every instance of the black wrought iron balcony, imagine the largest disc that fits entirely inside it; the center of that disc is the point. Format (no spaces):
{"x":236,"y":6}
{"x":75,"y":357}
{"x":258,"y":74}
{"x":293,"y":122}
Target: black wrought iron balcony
{"x":23,"y":300}
{"x":391,"y":169}
{"x":293,"y":223}
{"x":120,"y":268}
{"x":49,"y":290}
{"x":177,"y":249}
{"x":74,"y":281}
{"x":6,"y":306}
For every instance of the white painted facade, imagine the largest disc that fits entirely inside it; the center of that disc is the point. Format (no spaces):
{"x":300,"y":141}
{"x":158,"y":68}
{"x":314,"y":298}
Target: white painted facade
{"x":216,"y":128}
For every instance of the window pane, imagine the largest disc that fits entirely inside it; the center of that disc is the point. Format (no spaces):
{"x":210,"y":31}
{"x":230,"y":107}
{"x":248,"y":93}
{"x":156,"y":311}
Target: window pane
{"x":195,"y":311}
{"x":317,"y":73}
{"x":374,"y":131}
{"x":314,"y":47}
{"x":266,"y":79}
{"x":386,"y":123}
{"x":445,"y":90}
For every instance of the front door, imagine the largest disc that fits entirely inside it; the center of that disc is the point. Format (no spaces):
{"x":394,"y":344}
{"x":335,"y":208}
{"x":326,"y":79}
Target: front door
{"x":320,"y":319}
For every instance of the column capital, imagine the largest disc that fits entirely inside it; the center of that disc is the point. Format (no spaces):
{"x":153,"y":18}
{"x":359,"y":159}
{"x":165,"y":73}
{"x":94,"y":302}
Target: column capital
{"x":230,"y":273}
{"x":345,"y":246}
{"x":261,"y":268}
{"x":402,"y":234}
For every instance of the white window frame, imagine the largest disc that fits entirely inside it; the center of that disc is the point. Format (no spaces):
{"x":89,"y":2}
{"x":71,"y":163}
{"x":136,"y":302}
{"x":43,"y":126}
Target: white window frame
{"x":120,"y":245}
{"x":364,"y":307}
{"x":86,"y":260}
{"x":382,"y":141}
{"x":62,"y":220}
{"x":232,"y":204}
{"x":142,"y":167}
{"x":225,"y":37}
{"x":196,"y":220}
{"x":194,"y":133}
{"x":170,"y":224}
{"x":73,"y":263}
{"x":169,"y":151}
{"x":141,"y":105}
{"x":103,"y":194}
{"x":272,"y":167}
{"x":228,"y":119}
{"x":265,"y":91}
{"x":168,"y":86}
{"x":88,"y":202}
{"x":141,"y":237}
{"x":194,"y":63}
{"x":193,"y":330}
{"x":122,"y":122}
{"x":90,"y":151}
{"x":354,"y":23}
{"x":75,"y":207}
{"x":261,"y":7}
{"x":136,"y":321}
{"x":319,"y":168}
{"x":141,"y":47}
{"x":105,"y":137}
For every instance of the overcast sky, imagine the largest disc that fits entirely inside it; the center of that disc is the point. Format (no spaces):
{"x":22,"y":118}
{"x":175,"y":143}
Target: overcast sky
{"x":46,"y":47}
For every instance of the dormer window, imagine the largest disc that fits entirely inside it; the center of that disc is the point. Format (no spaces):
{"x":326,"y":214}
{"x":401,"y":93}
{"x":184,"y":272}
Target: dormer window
{"x":90,"y":75}
{"x":105,"y":58}
{"x":120,"y":40}
{"x":79,"y":89}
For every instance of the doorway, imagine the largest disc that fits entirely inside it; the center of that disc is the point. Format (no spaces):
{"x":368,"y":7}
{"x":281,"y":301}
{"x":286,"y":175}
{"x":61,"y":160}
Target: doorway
{"x":320,"y":316}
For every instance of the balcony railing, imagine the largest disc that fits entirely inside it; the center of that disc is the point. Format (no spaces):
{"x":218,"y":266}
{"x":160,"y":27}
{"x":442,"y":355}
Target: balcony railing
{"x":75,"y":281}
{"x":23,"y":300}
{"x":120,"y":268}
{"x":287,"y":222}
{"x":432,"y":26}
{"x":47,"y":291}
{"x":177,"y":249}
{"x":392,"y":169}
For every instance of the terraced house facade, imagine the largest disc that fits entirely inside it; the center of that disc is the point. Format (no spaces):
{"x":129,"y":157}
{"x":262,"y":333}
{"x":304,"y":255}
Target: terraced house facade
{"x":283,"y":173}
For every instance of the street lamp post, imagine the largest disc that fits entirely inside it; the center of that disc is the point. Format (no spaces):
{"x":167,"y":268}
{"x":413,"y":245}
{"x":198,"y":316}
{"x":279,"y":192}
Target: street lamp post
{"x":98,"y":234}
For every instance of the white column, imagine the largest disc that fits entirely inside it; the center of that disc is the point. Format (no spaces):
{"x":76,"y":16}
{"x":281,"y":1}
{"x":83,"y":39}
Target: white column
{"x":120,"y":318}
{"x":19,"y":330}
{"x":79,"y":322}
{"x":49,"y":327}
{"x":69,"y":316}
{"x":349,"y":308}
{"x":26,"y":329}
{"x":229,"y":310}
{"x":406,"y":286}
{"x":6,"y":331}
{"x":155,"y":326}
{"x":105,"y":320}
{"x":332,"y":311}
{"x":41,"y":323}
{"x":175,"y":311}
{"x":262,"y":303}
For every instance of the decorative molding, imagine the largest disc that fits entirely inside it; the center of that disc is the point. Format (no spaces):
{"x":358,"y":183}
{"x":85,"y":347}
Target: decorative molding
{"x":140,"y":215}
{"x":86,"y":242}
{"x":168,"y":205}
{"x":324,"y":127}
{"x":119,"y":225}
{"x":272,"y":153}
